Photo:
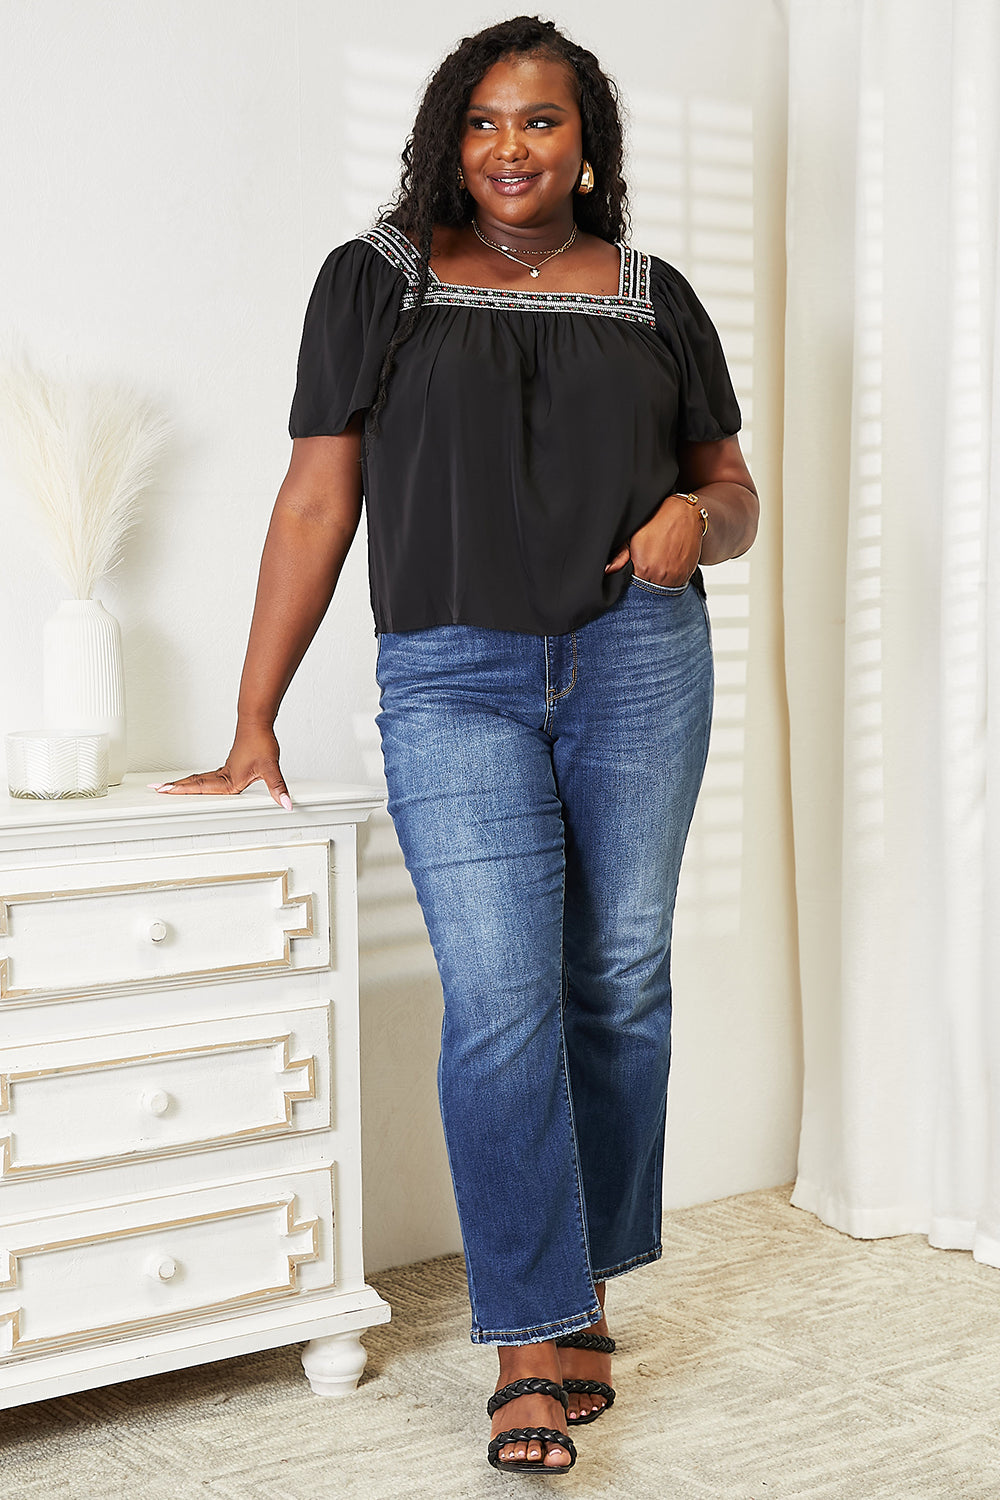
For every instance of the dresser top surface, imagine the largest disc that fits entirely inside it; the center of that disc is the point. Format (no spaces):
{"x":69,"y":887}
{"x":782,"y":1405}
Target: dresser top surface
{"x":135,"y":801}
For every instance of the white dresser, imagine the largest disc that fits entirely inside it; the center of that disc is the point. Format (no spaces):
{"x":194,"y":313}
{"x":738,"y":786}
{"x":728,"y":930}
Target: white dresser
{"x":180,"y":1154}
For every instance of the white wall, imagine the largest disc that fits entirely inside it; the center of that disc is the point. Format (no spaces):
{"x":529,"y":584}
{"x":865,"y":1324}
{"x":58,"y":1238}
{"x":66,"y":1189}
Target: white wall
{"x":172,"y":176}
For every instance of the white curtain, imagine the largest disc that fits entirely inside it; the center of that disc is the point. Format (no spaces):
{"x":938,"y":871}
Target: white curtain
{"x":892,"y":610}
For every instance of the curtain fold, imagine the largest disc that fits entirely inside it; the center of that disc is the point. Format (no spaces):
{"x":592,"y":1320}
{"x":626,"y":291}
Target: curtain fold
{"x":892,"y":610}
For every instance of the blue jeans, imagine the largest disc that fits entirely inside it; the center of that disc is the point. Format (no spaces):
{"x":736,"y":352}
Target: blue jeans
{"x":542,"y":788}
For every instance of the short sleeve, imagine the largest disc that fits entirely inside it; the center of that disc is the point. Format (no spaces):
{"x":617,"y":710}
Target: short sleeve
{"x":708,"y":408}
{"x":349,"y":321}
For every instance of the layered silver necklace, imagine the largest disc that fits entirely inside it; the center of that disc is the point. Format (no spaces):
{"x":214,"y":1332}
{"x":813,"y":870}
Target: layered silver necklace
{"x":507,"y":250}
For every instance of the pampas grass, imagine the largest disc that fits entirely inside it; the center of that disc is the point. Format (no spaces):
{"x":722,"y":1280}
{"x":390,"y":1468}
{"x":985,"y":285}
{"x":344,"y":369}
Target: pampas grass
{"x":84,"y":452}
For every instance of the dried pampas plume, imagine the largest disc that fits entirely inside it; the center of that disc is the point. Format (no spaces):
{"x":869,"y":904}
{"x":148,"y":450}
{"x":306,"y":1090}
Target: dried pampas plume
{"x":84,"y":452}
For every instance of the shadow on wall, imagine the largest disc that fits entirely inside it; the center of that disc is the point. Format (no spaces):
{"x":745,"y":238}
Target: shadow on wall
{"x":380,"y":96}
{"x":691,"y":174}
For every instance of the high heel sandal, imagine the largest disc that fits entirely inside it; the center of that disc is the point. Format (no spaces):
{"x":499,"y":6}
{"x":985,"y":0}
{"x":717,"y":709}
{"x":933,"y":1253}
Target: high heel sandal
{"x":529,"y":1386}
{"x":600,"y":1344}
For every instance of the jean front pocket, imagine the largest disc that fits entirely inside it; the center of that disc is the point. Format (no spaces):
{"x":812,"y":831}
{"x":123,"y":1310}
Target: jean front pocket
{"x":660,"y":588}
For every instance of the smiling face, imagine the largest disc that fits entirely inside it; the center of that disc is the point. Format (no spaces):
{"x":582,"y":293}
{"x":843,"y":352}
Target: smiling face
{"x":522,"y":145}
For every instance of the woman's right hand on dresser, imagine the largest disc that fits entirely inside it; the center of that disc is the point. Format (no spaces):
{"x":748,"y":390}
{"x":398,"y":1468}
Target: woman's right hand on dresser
{"x":254,"y":757}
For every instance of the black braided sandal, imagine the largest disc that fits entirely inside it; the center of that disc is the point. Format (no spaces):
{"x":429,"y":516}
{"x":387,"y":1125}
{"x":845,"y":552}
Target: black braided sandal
{"x":530,"y":1386}
{"x":600,"y":1344}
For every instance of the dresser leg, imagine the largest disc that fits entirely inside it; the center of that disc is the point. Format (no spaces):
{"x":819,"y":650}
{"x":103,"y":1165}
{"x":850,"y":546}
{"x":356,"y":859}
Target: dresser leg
{"x":334,"y":1364}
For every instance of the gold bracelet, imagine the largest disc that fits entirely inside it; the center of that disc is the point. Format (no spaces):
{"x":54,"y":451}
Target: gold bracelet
{"x":696,"y":501}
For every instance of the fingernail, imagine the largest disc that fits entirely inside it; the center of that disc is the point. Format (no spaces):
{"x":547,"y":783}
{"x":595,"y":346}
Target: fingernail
{"x":154,"y":786}
{"x":167,"y":786}
{"x":285,"y":801}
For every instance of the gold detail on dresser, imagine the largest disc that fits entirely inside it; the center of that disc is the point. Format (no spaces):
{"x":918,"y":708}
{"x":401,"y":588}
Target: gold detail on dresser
{"x":164,"y":1085}
{"x":177,"y":1244}
{"x":172,"y":930}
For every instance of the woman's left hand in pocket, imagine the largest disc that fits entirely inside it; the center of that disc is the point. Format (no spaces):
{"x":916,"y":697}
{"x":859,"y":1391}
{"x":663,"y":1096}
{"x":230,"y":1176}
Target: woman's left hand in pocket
{"x":667,"y":548}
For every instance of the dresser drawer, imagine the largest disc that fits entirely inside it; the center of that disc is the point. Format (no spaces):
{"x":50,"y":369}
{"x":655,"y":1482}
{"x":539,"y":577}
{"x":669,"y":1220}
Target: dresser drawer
{"x":96,"y":1101}
{"x":208,"y":914}
{"x":117,"y":1269}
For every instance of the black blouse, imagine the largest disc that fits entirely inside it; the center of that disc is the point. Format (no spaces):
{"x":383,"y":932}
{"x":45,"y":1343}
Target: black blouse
{"x":525,"y":437}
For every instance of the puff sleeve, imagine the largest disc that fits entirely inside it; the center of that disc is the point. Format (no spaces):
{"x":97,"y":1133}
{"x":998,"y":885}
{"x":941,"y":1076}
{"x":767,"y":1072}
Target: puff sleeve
{"x":708,"y":410}
{"x":349,"y":321}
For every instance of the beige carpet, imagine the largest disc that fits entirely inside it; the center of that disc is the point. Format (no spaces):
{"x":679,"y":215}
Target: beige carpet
{"x":766,"y":1357}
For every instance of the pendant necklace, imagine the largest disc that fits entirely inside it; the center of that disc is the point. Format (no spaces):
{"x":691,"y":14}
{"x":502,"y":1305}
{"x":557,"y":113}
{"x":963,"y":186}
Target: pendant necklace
{"x":506,"y":250}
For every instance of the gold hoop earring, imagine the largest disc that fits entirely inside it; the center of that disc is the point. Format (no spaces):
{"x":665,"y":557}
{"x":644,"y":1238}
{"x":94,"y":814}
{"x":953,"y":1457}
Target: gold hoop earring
{"x":586,"y":183}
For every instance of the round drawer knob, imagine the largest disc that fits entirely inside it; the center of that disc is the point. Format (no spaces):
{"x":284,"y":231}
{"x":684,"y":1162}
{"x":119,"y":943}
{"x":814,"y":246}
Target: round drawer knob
{"x":157,"y":932}
{"x":157,"y":1102}
{"x":161,"y":1267}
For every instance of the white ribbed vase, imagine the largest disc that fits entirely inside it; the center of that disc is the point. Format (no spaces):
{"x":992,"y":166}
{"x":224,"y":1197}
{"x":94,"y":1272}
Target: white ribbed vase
{"x":83,"y":679}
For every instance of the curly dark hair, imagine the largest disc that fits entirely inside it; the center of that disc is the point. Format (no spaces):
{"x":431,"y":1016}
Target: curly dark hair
{"x":429,"y":191}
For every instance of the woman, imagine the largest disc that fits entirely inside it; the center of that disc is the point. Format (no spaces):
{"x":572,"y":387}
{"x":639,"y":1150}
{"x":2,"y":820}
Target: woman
{"x":542,"y":425}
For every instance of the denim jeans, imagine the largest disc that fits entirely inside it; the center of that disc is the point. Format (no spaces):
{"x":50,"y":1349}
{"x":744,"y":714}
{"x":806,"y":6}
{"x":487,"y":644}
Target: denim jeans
{"x":542,"y":788}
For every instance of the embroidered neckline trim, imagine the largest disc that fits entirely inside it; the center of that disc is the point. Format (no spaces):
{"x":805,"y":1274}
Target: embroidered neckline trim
{"x":631,"y":303}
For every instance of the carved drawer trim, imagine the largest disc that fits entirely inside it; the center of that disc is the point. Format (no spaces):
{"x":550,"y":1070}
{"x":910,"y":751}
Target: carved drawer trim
{"x":142,"y":1286}
{"x":121,"y":940}
{"x":142,"y":1098}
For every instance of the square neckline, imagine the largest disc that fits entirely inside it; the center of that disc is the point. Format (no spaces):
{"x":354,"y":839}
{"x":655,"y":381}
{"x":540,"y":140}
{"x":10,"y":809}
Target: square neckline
{"x":632,"y":303}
